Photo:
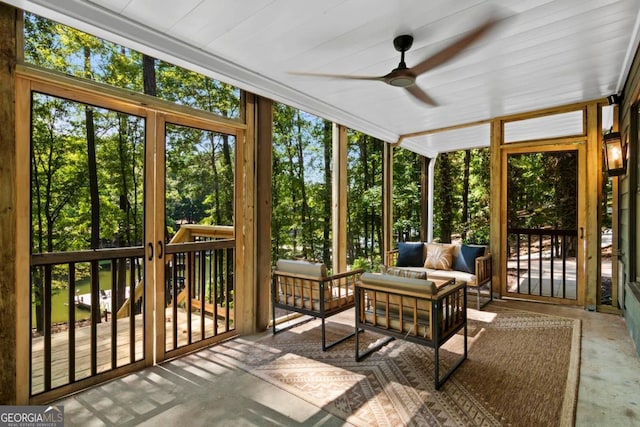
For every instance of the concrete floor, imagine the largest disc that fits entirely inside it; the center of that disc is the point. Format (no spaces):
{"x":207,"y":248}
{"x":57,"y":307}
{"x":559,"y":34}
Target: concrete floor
{"x":195,"y":391}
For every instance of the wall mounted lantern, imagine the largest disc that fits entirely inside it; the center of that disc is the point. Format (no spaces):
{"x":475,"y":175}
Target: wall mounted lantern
{"x":615,"y":154}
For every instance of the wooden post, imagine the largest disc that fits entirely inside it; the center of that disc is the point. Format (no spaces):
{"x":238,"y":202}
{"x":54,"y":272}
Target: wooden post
{"x":245,"y":223}
{"x":9,"y":24}
{"x":497,"y":211}
{"x":615,"y":225}
{"x":592,"y":277}
{"x":264,"y":133}
{"x":339,"y":198}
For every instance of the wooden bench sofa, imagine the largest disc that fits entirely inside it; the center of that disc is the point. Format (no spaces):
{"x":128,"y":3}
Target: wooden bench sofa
{"x":304,"y":287}
{"x":468,"y":263}
{"x":426,"y":312}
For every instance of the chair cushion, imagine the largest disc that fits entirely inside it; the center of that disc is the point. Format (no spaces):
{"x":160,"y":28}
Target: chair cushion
{"x":409,"y":254}
{"x":305,"y":268}
{"x":439,"y":256}
{"x":466,"y":260}
{"x":399,"y":284}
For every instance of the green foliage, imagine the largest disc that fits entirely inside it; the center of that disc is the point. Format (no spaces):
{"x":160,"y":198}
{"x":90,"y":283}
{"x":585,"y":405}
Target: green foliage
{"x":189,"y":88}
{"x":61,"y":213}
{"x":301,"y":219}
{"x":370,"y":264}
{"x":199,"y":177}
{"x":541,"y":190}
{"x":199,"y":173}
{"x":60,"y":198}
{"x":407,"y":206}
{"x":449,"y":223}
{"x":61,"y":48}
{"x":364,"y":200}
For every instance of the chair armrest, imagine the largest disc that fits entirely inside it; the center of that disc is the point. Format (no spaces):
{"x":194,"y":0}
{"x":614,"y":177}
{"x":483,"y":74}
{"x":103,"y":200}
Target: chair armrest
{"x":356,"y":272}
{"x":391,"y":258}
{"x":483,"y":269}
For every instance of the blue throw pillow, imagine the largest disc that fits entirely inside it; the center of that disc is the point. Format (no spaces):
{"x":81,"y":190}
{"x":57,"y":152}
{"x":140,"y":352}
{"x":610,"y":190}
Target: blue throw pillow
{"x":466,"y":261}
{"x":409,"y":254}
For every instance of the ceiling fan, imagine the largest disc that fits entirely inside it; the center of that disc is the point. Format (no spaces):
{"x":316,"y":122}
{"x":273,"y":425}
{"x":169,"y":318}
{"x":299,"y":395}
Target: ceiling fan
{"x":405,"y":77}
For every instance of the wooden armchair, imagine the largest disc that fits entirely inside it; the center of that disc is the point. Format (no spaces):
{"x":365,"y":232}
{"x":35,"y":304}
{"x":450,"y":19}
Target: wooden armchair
{"x":426,"y":312}
{"x":304,"y":287}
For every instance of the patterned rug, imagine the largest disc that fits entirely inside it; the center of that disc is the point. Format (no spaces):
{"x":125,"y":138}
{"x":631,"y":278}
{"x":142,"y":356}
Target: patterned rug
{"x":522,"y":370}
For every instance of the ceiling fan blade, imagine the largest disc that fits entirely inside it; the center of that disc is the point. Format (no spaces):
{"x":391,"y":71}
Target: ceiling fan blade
{"x":337,"y":76}
{"x":455,"y":48}
{"x":421,"y":95}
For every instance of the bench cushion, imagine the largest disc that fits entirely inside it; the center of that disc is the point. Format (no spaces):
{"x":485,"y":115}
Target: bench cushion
{"x":305,"y":268}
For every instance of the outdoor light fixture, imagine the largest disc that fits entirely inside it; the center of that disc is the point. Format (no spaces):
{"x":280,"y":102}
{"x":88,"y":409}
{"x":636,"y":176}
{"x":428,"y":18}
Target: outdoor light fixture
{"x":614,"y":99}
{"x":615,"y":154}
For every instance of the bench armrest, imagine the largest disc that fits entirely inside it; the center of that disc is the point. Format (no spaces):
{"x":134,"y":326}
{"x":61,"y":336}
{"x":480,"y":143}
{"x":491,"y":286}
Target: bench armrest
{"x":391,"y":258}
{"x":483,"y":269}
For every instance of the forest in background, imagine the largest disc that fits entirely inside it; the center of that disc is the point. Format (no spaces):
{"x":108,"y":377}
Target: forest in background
{"x":100,"y":154}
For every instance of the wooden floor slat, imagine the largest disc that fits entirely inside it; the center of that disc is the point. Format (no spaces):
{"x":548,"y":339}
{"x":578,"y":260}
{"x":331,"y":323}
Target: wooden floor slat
{"x":60,"y":347}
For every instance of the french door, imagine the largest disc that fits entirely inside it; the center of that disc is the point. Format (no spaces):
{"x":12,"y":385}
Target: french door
{"x":132,"y":241}
{"x":195,"y":202}
{"x":543,"y":223}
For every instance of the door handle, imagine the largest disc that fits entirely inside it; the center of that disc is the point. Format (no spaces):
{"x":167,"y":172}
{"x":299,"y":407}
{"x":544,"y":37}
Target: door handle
{"x":150,"y":251}
{"x":160,"y":247}
{"x":582,"y":233}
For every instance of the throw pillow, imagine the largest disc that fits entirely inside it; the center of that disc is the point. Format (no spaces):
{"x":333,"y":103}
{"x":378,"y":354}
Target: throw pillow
{"x":409,"y":254}
{"x":439,"y":257}
{"x":466,"y":261}
{"x":401,"y":272}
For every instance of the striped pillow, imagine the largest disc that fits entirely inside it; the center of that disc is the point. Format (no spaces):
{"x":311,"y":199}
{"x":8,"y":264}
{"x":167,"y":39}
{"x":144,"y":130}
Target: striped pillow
{"x":411,"y":274}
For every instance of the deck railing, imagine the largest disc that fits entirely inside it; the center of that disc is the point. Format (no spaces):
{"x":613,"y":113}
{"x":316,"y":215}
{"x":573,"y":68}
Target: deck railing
{"x":543,"y":260}
{"x":199,"y":290}
{"x":87,"y":306}
{"x":94,"y":342}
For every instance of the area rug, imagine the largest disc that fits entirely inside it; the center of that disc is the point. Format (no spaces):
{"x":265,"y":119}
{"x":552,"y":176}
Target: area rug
{"x":522,"y":370}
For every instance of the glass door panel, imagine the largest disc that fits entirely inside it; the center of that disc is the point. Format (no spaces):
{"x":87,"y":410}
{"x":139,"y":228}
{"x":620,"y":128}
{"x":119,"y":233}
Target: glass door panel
{"x":198,"y":234}
{"x":87,"y":229}
{"x":542,"y":225}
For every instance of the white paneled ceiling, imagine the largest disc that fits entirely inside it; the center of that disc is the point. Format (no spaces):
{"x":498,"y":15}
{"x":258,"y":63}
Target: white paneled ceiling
{"x":543,"y":53}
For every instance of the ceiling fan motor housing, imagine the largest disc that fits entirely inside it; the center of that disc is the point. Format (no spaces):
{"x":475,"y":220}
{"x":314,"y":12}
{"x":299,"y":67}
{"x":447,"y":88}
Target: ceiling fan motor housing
{"x":401,"y":76}
{"x":403,"y":43}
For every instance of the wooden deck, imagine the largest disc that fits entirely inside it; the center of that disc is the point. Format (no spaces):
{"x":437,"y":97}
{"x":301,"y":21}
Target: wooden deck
{"x":82,"y":350}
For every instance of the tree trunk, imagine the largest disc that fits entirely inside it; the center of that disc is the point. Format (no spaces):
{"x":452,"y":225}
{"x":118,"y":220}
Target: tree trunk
{"x":445,"y":194}
{"x":92,"y":162}
{"x":465,"y":194}
{"x":228,"y":169}
{"x":216,"y":184}
{"x":307,"y":241}
{"x":38,"y":278}
{"x":149,"y":75}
